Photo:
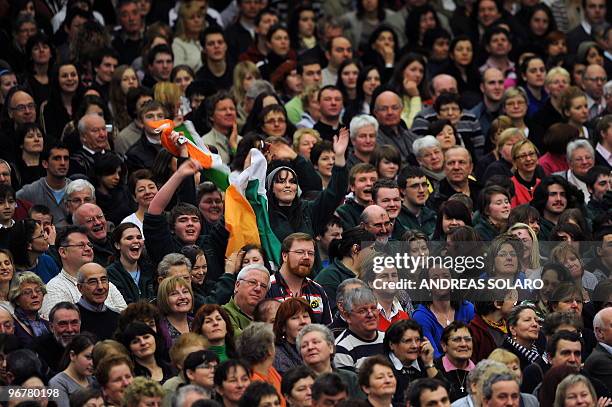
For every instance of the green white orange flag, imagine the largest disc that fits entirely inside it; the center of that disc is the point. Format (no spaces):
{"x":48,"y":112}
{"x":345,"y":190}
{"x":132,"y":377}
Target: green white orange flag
{"x":246,"y":209}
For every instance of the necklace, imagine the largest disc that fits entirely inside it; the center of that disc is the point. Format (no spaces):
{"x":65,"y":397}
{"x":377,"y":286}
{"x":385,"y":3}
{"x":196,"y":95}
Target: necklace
{"x":447,"y":316}
{"x":461,"y":381}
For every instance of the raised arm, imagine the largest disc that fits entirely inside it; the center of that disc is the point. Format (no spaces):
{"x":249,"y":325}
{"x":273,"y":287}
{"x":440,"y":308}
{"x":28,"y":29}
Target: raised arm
{"x":164,"y":195}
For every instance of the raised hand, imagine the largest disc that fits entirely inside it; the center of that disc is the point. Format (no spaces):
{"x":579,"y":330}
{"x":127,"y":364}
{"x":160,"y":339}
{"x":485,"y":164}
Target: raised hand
{"x":188,"y":168}
{"x":427,"y":352}
{"x":411,"y":88}
{"x":341,"y":141}
{"x":233,"y":137}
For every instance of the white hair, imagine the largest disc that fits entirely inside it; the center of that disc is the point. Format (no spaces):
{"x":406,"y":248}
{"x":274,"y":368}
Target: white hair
{"x":607,"y":89}
{"x":79,"y":185}
{"x":598,"y":321}
{"x":424,"y":142}
{"x":81,"y":126}
{"x":575,"y":145}
{"x":361,"y":121}
{"x":247,"y":269}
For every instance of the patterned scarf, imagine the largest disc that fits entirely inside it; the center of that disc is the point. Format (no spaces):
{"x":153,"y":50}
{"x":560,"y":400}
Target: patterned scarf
{"x":531,"y":354}
{"x":37,"y":326}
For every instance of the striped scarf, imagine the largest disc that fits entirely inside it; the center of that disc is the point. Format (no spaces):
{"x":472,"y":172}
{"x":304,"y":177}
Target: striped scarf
{"x":531,"y":354}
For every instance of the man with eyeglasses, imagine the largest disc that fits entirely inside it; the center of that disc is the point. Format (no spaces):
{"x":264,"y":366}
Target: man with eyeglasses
{"x":456,"y":364}
{"x":79,"y":192}
{"x":96,"y":317}
{"x":51,"y":190}
{"x":91,"y":217}
{"x":292,"y":280}
{"x":75,"y":250}
{"x":413,"y":214}
{"x":362,"y":338}
{"x":252,"y":284}
{"x":593,"y":80}
{"x":387,"y":109}
{"x":21,"y":110}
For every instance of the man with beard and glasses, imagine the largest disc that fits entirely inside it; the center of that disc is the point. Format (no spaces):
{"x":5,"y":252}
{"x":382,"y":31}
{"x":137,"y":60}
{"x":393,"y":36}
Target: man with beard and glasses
{"x":65,"y":324}
{"x":298,"y":254}
{"x":96,"y":317}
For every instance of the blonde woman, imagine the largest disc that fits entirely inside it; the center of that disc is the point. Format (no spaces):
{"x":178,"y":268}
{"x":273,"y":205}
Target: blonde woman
{"x":245,"y":73}
{"x":530,"y":262}
{"x":304,"y":140}
{"x":527,"y":172}
{"x":169,"y":95}
{"x":503,"y":165}
{"x":186,"y":44}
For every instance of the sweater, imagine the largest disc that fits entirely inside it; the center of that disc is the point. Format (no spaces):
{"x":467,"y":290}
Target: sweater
{"x":349,"y":213}
{"x":102,"y":324}
{"x":331,"y":277}
{"x":42,"y":194}
{"x":432,"y":329}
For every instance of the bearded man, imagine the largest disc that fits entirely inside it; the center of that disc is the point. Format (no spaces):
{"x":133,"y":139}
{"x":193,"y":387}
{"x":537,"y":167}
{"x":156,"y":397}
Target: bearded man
{"x":298,"y":254}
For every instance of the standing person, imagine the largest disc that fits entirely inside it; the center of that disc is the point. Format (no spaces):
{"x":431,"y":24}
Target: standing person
{"x":78,"y":372}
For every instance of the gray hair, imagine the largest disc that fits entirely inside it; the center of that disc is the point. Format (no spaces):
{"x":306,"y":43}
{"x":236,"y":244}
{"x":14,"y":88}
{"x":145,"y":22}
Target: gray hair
{"x":424,"y":142}
{"x":325,"y":332}
{"x":81,"y":276}
{"x":361,"y":121}
{"x":79,"y":185}
{"x":570,"y":381}
{"x":575,"y":145}
{"x":477,"y":374}
{"x":598,"y":321}
{"x":341,"y":290}
{"x":23,"y":278}
{"x":255,"y":341}
{"x":244,"y":272}
{"x":257,"y":87}
{"x":487,"y":388}
{"x":607,"y":89}
{"x":178,"y":398}
{"x":82,"y":127}
{"x":169,"y":260}
{"x":358,"y":296}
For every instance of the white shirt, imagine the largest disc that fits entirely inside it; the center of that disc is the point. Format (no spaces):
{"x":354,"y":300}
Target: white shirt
{"x":134,"y":219}
{"x":63,"y":287}
{"x":607,"y":155}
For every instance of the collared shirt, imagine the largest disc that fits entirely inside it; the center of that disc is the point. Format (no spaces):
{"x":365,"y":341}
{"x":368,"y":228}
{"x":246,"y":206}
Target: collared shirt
{"x":586,"y":26}
{"x":91,"y":307}
{"x":595,"y":106}
{"x":90,"y":151}
{"x":11,"y":224}
{"x":310,"y":291}
{"x":606,"y":347}
{"x":607,"y":155}
{"x":448,"y":365}
{"x":396,"y":307}
{"x":63,"y":287}
{"x":398,"y":365}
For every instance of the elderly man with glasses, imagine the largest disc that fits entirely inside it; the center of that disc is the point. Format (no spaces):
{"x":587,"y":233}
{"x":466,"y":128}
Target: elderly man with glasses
{"x":75,"y":250}
{"x":91,"y":217}
{"x":252,"y":284}
{"x":96,"y":317}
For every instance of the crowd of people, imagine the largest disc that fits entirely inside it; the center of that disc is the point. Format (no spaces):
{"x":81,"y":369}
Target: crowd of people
{"x":474,"y":129}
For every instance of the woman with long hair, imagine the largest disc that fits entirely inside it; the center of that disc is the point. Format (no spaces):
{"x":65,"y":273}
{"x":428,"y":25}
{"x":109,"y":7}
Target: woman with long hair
{"x":29,"y":240}
{"x":575,"y":109}
{"x":532,"y":78}
{"x":292,"y":315}
{"x":419,"y":20}
{"x":78,"y":368}
{"x":31,"y":141}
{"x":382,"y":51}
{"x":503,"y":150}
{"x":441,"y":309}
{"x":112,"y":194}
{"x":302,"y":28}
{"x":367,"y":81}
{"x":183,"y":76}
{"x":7,"y":272}
{"x":41,"y":57}
{"x":57,"y":111}
{"x":245,"y":73}
{"x":348,"y":74}
{"x":130,"y":272}
{"x":408,"y":82}
{"x":124,"y":78}
{"x":213,"y":323}
{"x":463,"y":67}
{"x":142,"y":343}
{"x":186,"y":45}
{"x":451,"y":214}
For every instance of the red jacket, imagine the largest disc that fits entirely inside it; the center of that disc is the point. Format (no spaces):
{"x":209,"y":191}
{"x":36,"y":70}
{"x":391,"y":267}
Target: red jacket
{"x":522,"y":195}
{"x":482,"y":341}
{"x":384,"y":324}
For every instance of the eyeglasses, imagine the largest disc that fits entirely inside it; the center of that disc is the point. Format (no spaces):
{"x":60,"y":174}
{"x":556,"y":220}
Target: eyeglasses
{"x":255,"y":283}
{"x":459,"y":339}
{"x":506,"y":254}
{"x":94,"y":282}
{"x":302,"y":253}
{"x":29,"y":292}
{"x":275,"y":121}
{"x":23,"y":108}
{"x":92,"y":219}
{"x":81,"y":245}
{"x":521,"y":157}
{"x":393,"y":108}
{"x":596,"y":78}
{"x":362,"y":312}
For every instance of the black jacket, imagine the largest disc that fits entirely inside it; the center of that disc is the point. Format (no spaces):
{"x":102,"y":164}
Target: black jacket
{"x":126,"y":284}
{"x":142,"y":154}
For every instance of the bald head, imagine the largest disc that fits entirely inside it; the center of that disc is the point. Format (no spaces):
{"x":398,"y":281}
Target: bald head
{"x":388,"y":108}
{"x":91,"y":217}
{"x":443,"y":83}
{"x":375,"y":219}
{"x":602,"y":323}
